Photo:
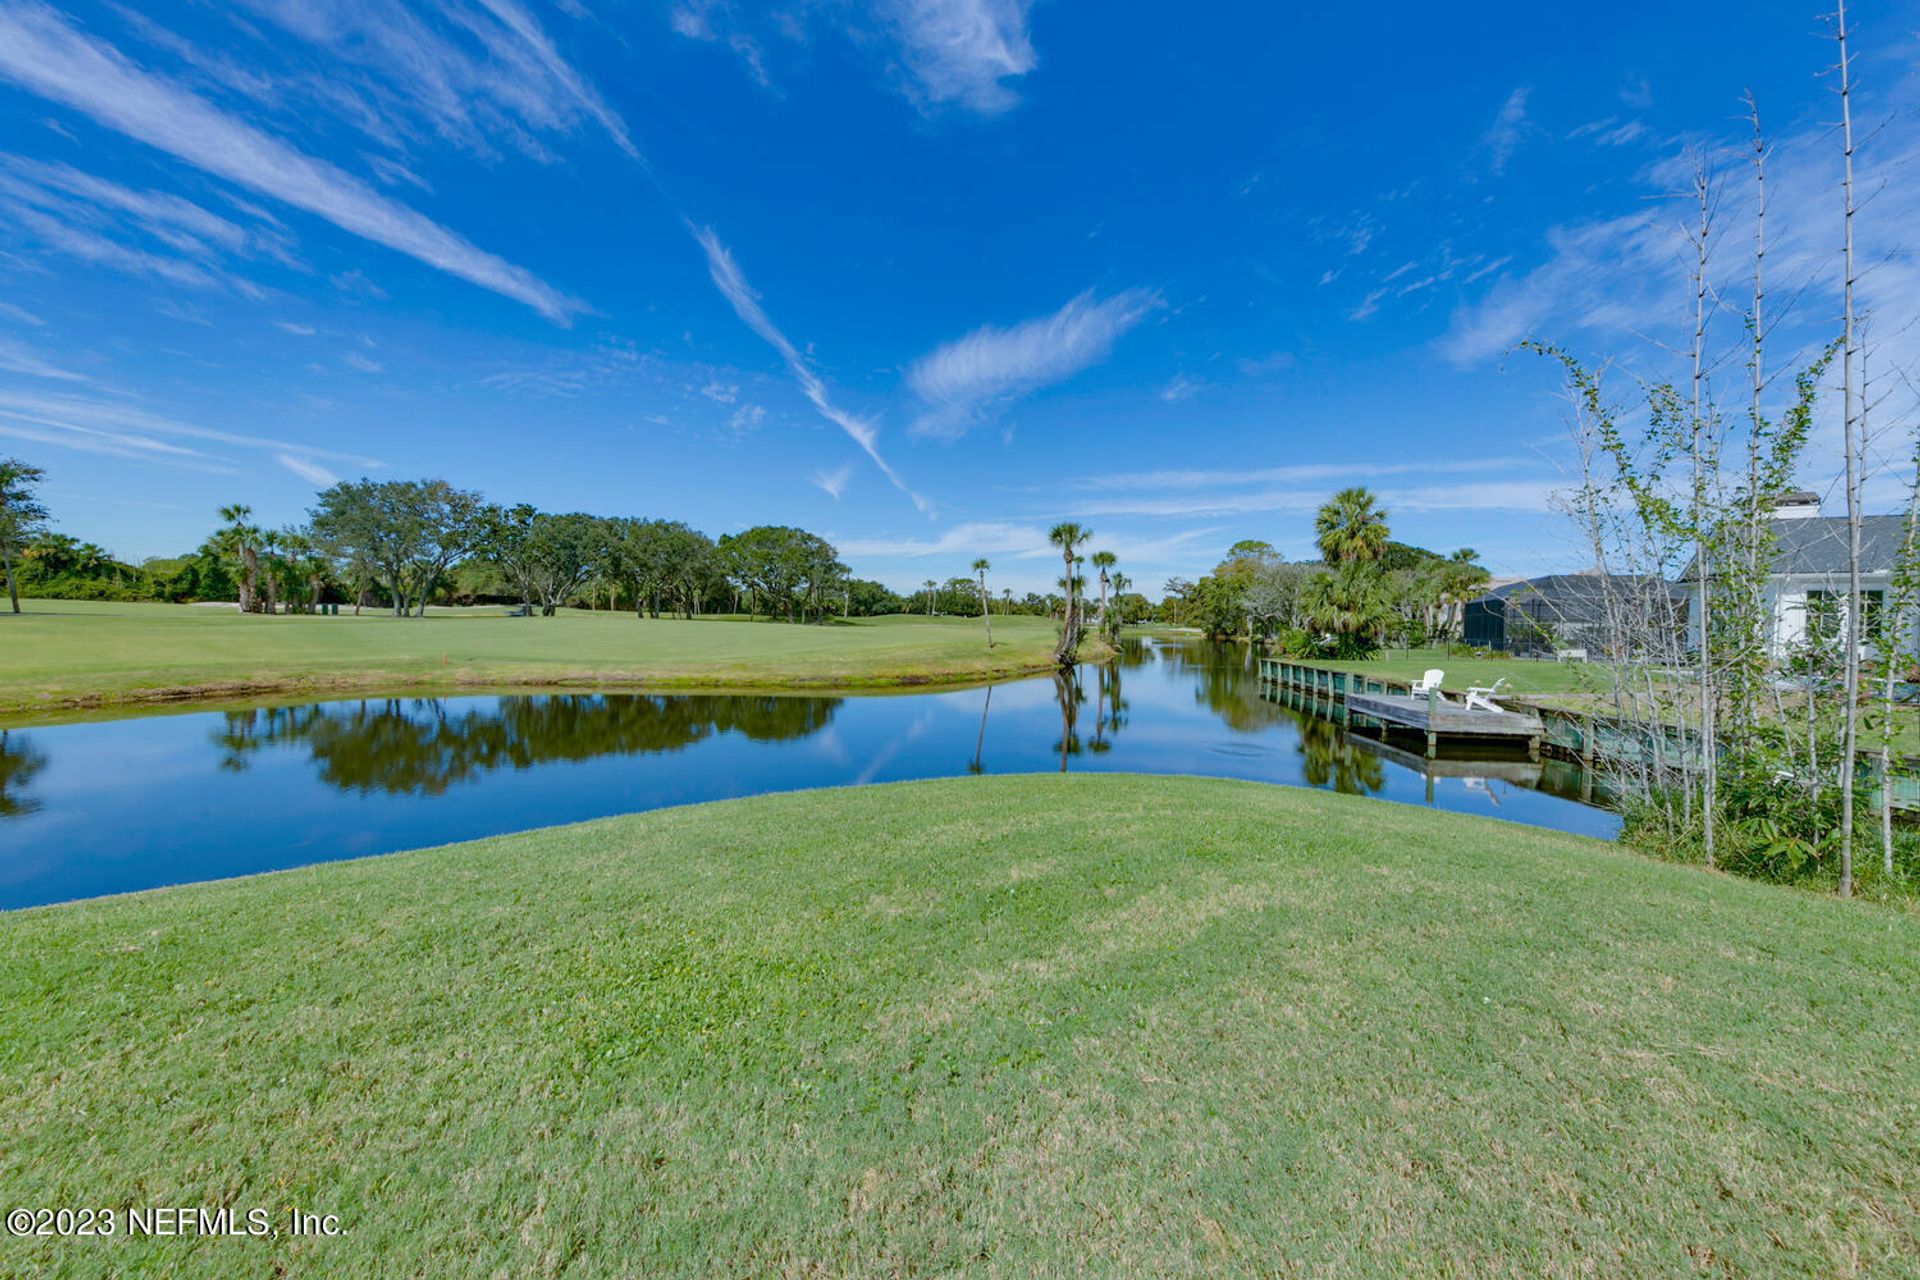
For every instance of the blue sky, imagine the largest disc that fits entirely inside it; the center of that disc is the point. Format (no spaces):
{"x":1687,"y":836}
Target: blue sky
{"x":921,"y":275}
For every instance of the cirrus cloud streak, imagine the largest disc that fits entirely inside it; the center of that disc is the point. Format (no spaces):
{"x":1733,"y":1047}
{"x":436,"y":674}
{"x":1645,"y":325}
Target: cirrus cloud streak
{"x":964,"y":381}
{"x":42,"y":54}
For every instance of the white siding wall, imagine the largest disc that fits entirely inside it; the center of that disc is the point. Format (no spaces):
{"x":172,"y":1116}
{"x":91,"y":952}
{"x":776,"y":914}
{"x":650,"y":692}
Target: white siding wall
{"x":1787,"y":597}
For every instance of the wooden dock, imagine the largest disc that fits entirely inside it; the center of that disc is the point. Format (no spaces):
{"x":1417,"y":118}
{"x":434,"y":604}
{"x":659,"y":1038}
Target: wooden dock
{"x":1441,"y":720}
{"x":1586,"y":736}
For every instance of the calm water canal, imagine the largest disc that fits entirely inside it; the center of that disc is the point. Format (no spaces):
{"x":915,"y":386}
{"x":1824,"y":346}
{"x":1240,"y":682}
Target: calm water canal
{"x":88,"y":809}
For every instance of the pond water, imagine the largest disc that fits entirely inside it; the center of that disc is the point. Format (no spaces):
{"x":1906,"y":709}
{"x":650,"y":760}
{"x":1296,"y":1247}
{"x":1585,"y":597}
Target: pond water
{"x":106,"y":807}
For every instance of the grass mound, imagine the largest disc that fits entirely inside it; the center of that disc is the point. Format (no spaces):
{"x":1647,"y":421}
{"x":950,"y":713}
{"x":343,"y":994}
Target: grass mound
{"x":1018,"y":1025}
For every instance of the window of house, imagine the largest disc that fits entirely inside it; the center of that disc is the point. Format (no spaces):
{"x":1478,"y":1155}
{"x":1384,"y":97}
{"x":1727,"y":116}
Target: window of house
{"x":1826,"y":609}
{"x":1823,"y":617}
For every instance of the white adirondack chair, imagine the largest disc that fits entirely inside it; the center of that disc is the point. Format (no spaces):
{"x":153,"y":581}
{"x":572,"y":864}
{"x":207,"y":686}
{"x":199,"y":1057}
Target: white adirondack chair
{"x":1430,"y":684}
{"x":1479,"y":699}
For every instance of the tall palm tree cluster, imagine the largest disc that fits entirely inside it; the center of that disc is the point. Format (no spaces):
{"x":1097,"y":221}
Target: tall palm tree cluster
{"x":1365,"y":589}
{"x":1069,"y":537}
{"x":274,"y":570}
{"x":1348,"y":604}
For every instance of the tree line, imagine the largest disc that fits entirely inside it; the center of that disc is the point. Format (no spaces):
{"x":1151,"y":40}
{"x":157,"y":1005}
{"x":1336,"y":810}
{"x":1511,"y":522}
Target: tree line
{"x":398,"y":545}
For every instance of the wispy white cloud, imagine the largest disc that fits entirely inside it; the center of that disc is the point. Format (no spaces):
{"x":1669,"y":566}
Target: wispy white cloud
{"x":540,"y":51}
{"x":1265,"y":366}
{"x":361,"y":363}
{"x":58,"y":209}
{"x":95,"y":424}
{"x":1481,"y":495}
{"x":961,"y":54}
{"x":18,"y":357}
{"x":733,"y":286}
{"x":1610,"y":132}
{"x":715,"y":21}
{"x":1179,"y":387}
{"x":41,"y":53}
{"x":21,"y":314}
{"x":1618,"y":286}
{"x":307,"y":469}
{"x":833,"y":483}
{"x":52,"y":235}
{"x":963,"y":381}
{"x":1483,"y":484}
{"x":1508,"y":131}
{"x":1622,"y":278}
{"x":474,"y":73}
{"x":1487,"y":268}
{"x":113,"y":444}
{"x":961,"y":51}
{"x":1369,"y":304}
{"x":1012,"y":543}
{"x":173,"y":220}
{"x":980,"y":538}
{"x":1301,"y":473}
{"x":297,"y":330}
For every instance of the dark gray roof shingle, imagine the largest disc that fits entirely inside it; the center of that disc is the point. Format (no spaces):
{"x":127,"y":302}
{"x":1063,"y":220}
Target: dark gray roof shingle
{"x":1816,"y":546}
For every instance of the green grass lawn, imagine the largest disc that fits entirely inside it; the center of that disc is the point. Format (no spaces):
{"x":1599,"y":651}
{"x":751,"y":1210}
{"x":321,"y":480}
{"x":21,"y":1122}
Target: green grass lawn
{"x":63,"y":654}
{"x":1523,"y":676}
{"x":998,"y":1026}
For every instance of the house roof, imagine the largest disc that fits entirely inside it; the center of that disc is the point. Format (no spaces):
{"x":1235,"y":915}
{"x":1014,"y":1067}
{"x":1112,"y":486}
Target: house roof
{"x":1816,"y":546}
{"x":1564,"y":586}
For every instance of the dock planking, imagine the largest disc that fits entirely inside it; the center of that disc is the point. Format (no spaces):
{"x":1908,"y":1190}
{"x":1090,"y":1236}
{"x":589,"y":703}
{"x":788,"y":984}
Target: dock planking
{"x":1439,"y":719}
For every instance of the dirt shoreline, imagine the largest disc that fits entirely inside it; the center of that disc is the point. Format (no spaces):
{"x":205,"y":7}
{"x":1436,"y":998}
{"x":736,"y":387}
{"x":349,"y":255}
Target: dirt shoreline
{"x":16,"y":711}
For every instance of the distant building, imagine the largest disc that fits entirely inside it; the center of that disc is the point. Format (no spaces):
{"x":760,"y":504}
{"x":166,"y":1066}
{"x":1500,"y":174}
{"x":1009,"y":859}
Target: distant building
{"x":1807,"y":589}
{"x":1541,"y":616}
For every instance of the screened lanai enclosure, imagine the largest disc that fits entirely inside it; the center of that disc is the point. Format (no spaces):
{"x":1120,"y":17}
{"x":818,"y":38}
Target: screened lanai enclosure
{"x":1599,"y":613}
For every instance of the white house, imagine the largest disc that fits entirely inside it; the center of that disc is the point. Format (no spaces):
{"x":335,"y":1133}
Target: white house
{"x":1808,"y":586}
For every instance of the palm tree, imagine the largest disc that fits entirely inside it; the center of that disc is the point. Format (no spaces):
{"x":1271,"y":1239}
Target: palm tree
{"x":1465,"y":580}
{"x":929,"y":584}
{"x":1103,"y":561}
{"x":1006,"y":599}
{"x":241,"y":540}
{"x":980,"y":568}
{"x":21,"y":515}
{"x":306,"y":568}
{"x":1068,"y":535}
{"x":1120,"y":584}
{"x":1352,"y":604}
{"x":1351,"y":527}
{"x":272,"y":544}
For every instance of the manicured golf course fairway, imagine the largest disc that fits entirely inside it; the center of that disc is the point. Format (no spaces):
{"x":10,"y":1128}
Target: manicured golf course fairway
{"x":1014,"y":1026}
{"x":64,"y":654}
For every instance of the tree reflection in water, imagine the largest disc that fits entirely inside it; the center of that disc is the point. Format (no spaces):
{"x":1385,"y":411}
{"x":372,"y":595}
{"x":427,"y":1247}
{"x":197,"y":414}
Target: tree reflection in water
{"x":1110,"y":708}
{"x":1226,"y":681}
{"x":422,"y":745}
{"x":19,"y":762}
{"x":1328,"y":759}
{"x":980,"y":738}
{"x":1067,"y":690}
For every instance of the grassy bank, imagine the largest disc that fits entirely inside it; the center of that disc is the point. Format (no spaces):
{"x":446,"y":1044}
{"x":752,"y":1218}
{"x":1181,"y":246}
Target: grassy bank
{"x":63,"y":655}
{"x":1030,"y":1025}
{"x":1523,"y":676}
